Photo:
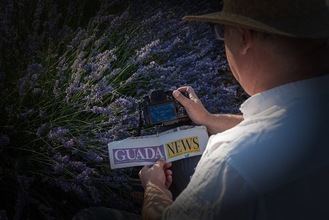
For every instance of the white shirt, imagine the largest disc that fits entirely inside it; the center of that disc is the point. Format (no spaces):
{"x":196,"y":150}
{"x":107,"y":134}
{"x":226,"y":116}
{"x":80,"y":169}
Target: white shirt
{"x":273,"y":165}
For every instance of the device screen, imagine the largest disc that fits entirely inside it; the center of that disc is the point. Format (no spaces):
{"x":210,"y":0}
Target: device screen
{"x":162,"y":113}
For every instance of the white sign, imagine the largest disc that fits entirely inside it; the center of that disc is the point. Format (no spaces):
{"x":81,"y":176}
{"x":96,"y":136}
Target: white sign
{"x":171,"y":145}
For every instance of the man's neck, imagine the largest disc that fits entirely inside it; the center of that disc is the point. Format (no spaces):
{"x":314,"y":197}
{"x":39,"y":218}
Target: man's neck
{"x":279,"y":74}
{"x":267,"y":86}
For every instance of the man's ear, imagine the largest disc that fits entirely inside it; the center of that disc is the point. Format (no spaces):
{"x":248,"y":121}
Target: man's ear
{"x":246,"y":40}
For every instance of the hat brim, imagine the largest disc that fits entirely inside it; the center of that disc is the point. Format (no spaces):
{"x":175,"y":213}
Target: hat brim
{"x":237,"y":20}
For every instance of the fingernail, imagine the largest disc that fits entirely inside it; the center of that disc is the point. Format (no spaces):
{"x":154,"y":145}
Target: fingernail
{"x":176,"y":93}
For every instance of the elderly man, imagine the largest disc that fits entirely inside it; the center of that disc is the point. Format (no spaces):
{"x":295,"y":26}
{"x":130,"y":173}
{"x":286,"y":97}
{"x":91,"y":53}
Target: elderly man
{"x":271,"y":162}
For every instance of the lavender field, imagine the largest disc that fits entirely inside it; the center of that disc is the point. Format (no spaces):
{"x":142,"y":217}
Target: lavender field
{"x":71,"y":76}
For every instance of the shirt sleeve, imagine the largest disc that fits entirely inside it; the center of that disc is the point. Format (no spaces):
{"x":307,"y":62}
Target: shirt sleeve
{"x":216,"y":192}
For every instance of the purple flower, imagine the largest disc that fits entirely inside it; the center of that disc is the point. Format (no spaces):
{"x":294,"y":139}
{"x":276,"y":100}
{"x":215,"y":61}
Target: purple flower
{"x":125,"y":103}
{"x":119,"y":20}
{"x":81,"y":34}
{"x":58,"y":133}
{"x":77,"y":166}
{"x":69,"y":144}
{"x":85,"y":176}
{"x":56,"y":89}
{"x":58,"y":168}
{"x":26,"y":114}
{"x":93,"y":157}
{"x":61,"y":159}
{"x":101,"y":110}
{"x":100,"y":64}
{"x":152,"y":19}
{"x":144,"y":52}
{"x":23,"y":86}
{"x":43,"y":130}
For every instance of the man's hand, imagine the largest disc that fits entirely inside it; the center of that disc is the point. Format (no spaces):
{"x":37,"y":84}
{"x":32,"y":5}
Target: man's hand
{"x":193,"y":106}
{"x":215,"y":123}
{"x":156,"y":180}
{"x":159,"y":174}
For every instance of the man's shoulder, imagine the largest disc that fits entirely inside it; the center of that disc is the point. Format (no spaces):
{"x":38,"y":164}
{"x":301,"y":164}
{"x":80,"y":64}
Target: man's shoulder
{"x":266,"y":151}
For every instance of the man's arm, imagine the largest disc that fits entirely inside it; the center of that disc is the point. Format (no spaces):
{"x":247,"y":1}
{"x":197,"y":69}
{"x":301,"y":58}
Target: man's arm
{"x":215,"y":123}
{"x":156,"y":199}
{"x":156,"y":180}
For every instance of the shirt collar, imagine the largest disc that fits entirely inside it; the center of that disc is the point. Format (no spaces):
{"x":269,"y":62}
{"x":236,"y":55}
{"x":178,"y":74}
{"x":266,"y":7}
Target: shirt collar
{"x":284,"y":94}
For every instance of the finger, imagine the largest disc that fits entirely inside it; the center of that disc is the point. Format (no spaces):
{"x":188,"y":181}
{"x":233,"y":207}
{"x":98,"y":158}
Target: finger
{"x":189,"y":90}
{"x":181,"y":98}
{"x":192,"y":93}
{"x":168,"y":181}
{"x":140,"y":173}
{"x":167,"y":165}
{"x":184,"y":88}
{"x":168,"y":172}
{"x":160,"y":163}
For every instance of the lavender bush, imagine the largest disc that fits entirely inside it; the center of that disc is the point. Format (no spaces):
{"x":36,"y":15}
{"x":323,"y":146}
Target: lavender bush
{"x":71,"y":76}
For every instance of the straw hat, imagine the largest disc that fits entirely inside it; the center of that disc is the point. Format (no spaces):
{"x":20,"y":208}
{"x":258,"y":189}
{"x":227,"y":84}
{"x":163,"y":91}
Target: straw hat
{"x":293,"y":18}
